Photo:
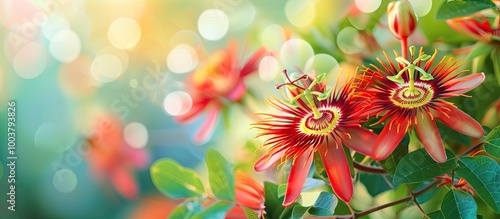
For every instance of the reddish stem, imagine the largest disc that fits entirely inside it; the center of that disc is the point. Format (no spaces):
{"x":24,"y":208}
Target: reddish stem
{"x":404,"y":47}
{"x":368,"y":169}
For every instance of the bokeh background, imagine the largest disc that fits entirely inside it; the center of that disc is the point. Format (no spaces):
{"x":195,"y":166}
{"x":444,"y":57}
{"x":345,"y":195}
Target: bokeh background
{"x":115,"y":70}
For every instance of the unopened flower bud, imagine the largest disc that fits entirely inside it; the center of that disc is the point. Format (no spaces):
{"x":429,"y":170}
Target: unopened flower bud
{"x":402,"y":19}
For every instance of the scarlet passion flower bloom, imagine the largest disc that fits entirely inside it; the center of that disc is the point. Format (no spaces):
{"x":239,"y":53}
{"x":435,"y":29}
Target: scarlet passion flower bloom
{"x":250,"y":194}
{"x":216,"y":84}
{"x":476,"y":27}
{"x":411,"y":94}
{"x":315,"y":120}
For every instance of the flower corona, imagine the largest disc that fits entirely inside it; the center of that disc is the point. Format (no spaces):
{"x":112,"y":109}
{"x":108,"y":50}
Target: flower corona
{"x":410,"y":95}
{"x":315,"y":119}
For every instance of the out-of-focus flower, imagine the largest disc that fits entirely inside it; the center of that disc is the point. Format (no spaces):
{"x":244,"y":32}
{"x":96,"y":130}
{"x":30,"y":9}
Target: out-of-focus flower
{"x":110,"y":158}
{"x":401,"y":18}
{"x":216,"y":84}
{"x":411,"y":94}
{"x":492,"y":116}
{"x":315,"y":120}
{"x":476,"y":27}
{"x":250,"y":194}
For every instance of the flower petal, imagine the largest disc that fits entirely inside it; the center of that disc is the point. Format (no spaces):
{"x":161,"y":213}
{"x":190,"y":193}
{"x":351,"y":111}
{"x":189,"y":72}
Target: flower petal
{"x":337,"y":169}
{"x":359,"y":139}
{"x":208,"y":126}
{"x":138,"y":158}
{"x":460,"y":121}
{"x":249,"y":192}
{"x":297,"y":177}
{"x":477,"y":27}
{"x":236,"y":212}
{"x":389,"y":139}
{"x":268,"y":160}
{"x":248,"y":199}
{"x":237,"y":92}
{"x":252,"y":63}
{"x":429,"y":135}
{"x":124,"y":183}
{"x":197,"y":107}
{"x":464,"y":84}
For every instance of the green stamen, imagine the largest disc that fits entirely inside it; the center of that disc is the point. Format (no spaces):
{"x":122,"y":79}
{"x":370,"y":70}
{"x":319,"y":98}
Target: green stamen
{"x":310,"y":100}
{"x":410,"y":68}
{"x":308,"y":95}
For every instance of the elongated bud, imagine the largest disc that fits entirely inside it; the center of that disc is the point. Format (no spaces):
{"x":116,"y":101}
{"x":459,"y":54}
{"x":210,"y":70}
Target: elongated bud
{"x":402,"y":19}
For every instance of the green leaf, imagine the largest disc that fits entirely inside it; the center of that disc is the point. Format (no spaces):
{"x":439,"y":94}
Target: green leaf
{"x":450,"y":135}
{"x":318,"y":164}
{"x":299,"y":211}
{"x":492,"y":142}
{"x":220,"y":175}
{"x":483,"y":174}
{"x":458,"y":204}
{"x":186,"y":210}
{"x":273,"y":204}
{"x":374,"y":183}
{"x":250,"y":213}
{"x":175,"y":181}
{"x":418,"y":166}
{"x":495,"y":58}
{"x":324,"y":205}
{"x":310,"y":183}
{"x":391,"y":162}
{"x":453,"y":9}
{"x":288,"y":211}
{"x":215,"y":211}
{"x":426,"y":196}
{"x":479,"y":50}
{"x":349,"y":160}
{"x":282,"y":190}
{"x":435,"y":215}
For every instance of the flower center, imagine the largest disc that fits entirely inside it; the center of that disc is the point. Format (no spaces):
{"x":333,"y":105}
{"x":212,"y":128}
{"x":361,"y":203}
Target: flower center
{"x":406,"y":97}
{"x":322,"y":125}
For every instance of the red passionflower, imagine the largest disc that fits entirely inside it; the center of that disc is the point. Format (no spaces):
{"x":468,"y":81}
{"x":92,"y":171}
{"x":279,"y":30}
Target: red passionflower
{"x":316,"y":120}
{"x":218,"y":82}
{"x":110,"y":158}
{"x":411,"y":94}
{"x":476,"y":27}
{"x":250,"y":194}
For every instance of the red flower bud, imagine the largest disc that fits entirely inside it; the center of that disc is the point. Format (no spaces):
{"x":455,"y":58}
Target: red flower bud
{"x":402,"y":19}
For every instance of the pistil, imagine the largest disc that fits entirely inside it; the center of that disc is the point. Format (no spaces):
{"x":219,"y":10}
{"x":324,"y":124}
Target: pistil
{"x":312,"y":104}
{"x":410,"y":68}
{"x":308,"y":95}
